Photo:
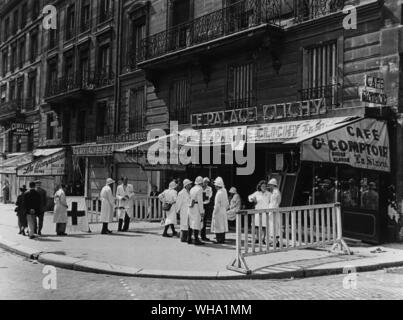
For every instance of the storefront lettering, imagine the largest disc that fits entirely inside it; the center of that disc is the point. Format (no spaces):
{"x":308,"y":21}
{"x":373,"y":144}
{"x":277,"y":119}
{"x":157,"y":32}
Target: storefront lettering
{"x":264,"y":113}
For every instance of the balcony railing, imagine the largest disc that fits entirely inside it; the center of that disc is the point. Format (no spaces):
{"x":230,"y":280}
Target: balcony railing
{"x":10,"y":107}
{"x":329,"y":93}
{"x":240,"y":16}
{"x":312,"y":9}
{"x":103,"y":78}
{"x":64,"y":85}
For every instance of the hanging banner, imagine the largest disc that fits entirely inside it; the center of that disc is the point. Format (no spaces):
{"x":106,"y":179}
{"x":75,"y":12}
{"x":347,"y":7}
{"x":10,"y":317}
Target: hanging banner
{"x":53,"y":165}
{"x":363,"y":144}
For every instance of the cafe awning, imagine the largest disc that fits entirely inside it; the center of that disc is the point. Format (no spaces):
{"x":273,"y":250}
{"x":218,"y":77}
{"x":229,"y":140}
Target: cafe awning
{"x":44,"y":162}
{"x":9,"y":166}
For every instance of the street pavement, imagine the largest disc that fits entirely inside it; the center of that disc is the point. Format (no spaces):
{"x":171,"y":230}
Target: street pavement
{"x":145,"y":249}
{"x":22,"y":279}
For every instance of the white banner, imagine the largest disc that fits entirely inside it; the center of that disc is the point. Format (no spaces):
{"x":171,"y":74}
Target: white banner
{"x":53,"y":165}
{"x":363,"y":144}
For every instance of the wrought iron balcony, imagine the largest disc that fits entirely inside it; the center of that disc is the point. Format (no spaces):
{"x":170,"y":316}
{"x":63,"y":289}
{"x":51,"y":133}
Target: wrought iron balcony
{"x":312,"y":9}
{"x":68,"y":85}
{"x":240,"y":16}
{"x":10,"y":109}
{"x":329,"y":93}
{"x":103,"y":78}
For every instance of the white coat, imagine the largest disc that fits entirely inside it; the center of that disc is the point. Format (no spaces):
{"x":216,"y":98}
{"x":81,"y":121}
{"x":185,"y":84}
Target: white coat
{"x":234,"y":206}
{"x":60,"y":212}
{"x":170,"y":196}
{"x":195,"y":212}
{"x":121,"y":192}
{"x":219,"y":223}
{"x":262,"y":202}
{"x":275,"y":201}
{"x":182,"y":206}
{"x":107,"y":205}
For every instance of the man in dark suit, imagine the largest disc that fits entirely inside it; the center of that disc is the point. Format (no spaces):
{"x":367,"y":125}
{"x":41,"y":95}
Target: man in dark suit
{"x":32,"y":206}
{"x":44,"y":201}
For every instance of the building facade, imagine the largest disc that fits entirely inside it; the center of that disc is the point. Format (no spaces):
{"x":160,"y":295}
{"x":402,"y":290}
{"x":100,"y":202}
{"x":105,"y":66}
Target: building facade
{"x":114,"y":70}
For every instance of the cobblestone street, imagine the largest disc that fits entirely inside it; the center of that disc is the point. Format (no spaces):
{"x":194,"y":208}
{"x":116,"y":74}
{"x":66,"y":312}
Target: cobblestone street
{"x":22,"y":279}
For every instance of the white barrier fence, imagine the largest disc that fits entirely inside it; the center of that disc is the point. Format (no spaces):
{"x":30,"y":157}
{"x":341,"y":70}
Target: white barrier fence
{"x":145,"y":209}
{"x":286,"y":229}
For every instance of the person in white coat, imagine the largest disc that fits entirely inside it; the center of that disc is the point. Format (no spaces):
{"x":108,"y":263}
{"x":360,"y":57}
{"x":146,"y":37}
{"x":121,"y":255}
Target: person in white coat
{"x":182,"y":205}
{"x":60,"y":212}
{"x":168,"y":199}
{"x":196,"y":212}
{"x":275,"y":201}
{"x":107,"y":206}
{"x":261,"y":199}
{"x":125,"y":196}
{"x":219,"y":223}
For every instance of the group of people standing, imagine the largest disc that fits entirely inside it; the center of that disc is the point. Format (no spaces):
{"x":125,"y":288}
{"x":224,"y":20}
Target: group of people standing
{"x":194,"y":206}
{"x":31,"y":206}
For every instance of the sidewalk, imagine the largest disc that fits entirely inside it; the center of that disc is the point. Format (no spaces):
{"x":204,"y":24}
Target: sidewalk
{"x":143,"y":252}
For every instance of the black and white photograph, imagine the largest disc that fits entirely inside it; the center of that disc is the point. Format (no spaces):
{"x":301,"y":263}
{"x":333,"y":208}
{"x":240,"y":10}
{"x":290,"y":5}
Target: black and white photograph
{"x":215,"y":151}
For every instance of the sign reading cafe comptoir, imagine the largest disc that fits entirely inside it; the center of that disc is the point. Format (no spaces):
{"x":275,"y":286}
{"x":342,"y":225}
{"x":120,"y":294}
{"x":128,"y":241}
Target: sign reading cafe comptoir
{"x":271,"y":112}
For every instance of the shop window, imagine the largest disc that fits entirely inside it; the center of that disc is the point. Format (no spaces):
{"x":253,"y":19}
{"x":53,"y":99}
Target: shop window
{"x":320,"y":73}
{"x":241,"y":86}
{"x":179,"y":101}
{"x":137,"y":106}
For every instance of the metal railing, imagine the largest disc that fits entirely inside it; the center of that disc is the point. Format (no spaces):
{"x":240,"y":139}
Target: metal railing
{"x":145,"y":209}
{"x":240,"y":16}
{"x":312,"y":9}
{"x":11,"y":106}
{"x":329,"y":93}
{"x":286,"y":229}
{"x":65,"y":85}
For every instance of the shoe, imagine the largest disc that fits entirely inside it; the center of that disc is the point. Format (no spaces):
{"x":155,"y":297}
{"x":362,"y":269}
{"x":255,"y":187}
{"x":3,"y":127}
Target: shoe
{"x":199,"y":243}
{"x":190,"y":241}
{"x":32,"y":237}
{"x":109,"y":231}
{"x":206,"y":239}
{"x":175,"y":235}
{"x":39,"y":233}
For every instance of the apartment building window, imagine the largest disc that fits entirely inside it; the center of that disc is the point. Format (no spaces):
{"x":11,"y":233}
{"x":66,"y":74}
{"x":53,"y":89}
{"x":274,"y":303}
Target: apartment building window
{"x":241,"y":87}
{"x":34,"y":46}
{"x":6,"y":28}
{"x":81,"y":126}
{"x":24,"y":15}
{"x":15,"y":21}
{"x":13,"y":58}
{"x":35,"y":9}
{"x":11,"y":92}
{"x":101,"y":120}
{"x":179,"y":101}
{"x":52,"y":81}
{"x":137,"y":109}
{"x":180,"y":12}
{"x":21,"y":54}
{"x":20,"y":88}
{"x":3,"y":93}
{"x":50,"y":131}
{"x":320,"y":73}
{"x":85,"y":15}
{"x":105,"y":10}
{"x":31,"y":101}
{"x":84,"y":67}
{"x":104,"y":76}
{"x":52,"y":39}
{"x":137,"y":34}
{"x":70,"y":21}
{"x":5,"y":61}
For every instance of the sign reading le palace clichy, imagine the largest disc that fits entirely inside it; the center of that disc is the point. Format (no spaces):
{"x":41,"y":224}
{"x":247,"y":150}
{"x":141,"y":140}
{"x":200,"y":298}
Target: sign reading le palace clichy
{"x":271,"y":112}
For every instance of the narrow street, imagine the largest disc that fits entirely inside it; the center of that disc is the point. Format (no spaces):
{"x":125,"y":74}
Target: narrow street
{"x":22,"y":279}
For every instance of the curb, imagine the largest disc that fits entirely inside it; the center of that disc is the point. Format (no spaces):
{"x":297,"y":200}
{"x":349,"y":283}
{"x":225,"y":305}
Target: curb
{"x":82,"y":265}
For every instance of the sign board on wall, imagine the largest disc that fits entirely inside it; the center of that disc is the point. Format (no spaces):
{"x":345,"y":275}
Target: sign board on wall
{"x":363,"y":144}
{"x":53,"y":165}
{"x":373,"y":91}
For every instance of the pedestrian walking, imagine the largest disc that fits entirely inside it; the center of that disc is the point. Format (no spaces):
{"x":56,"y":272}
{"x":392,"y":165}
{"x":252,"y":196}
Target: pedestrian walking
{"x":235,"y":205}
{"x":125,"y":196}
{"x":196,"y":212}
{"x":107,"y":205}
{"x":274,"y":219}
{"x":168,"y":199}
{"x":219,"y":222}
{"x":182,"y":206}
{"x":261,"y":199}
{"x":6,"y":192}
{"x":208,"y":207}
{"x":21,"y":214}
{"x":32,"y":205}
{"x":60,"y":217}
{"x":44,"y":202}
